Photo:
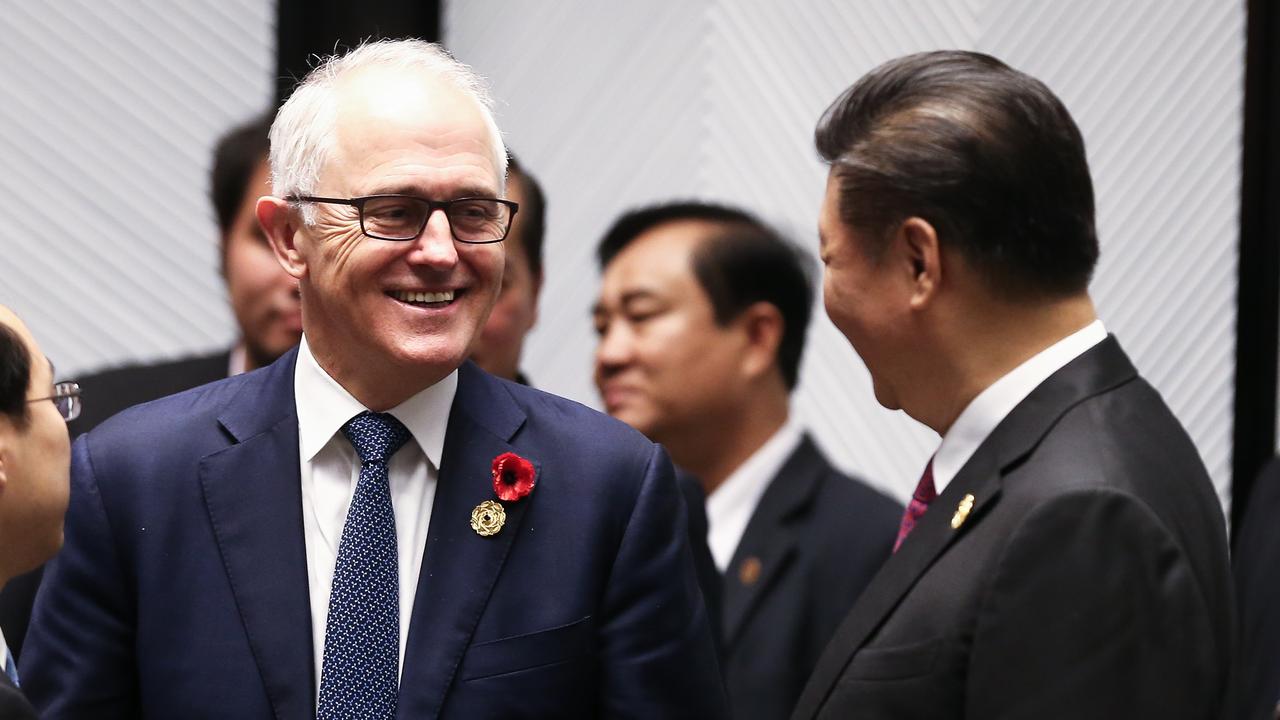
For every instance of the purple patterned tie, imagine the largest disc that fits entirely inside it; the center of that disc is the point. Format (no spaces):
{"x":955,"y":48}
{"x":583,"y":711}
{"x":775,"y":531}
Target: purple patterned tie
{"x":920,"y":499}
{"x":359,"y":676}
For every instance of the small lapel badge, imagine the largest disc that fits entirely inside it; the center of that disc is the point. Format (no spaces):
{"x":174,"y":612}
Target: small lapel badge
{"x":749,"y":571}
{"x":962,"y":512}
{"x":487,"y":519}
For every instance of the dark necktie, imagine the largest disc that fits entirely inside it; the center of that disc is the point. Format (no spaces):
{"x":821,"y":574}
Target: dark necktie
{"x":920,"y":499}
{"x":360,"y":668}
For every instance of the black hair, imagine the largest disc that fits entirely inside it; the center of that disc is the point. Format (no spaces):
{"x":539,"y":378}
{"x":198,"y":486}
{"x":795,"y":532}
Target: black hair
{"x":986,"y":154}
{"x":743,"y":261}
{"x":15,"y":375}
{"x":235,"y":159}
{"x":532,"y":214}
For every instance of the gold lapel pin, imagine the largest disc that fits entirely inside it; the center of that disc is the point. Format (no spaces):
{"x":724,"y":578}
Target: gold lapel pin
{"x":487,"y":519}
{"x":749,"y":571}
{"x":962,"y":512}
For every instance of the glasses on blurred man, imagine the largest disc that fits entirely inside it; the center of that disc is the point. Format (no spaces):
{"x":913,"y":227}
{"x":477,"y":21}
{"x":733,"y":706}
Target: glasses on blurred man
{"x":65,"y":397}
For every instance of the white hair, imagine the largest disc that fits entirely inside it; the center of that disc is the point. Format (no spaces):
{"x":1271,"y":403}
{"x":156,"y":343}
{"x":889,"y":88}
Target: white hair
{"x":302,"y":135}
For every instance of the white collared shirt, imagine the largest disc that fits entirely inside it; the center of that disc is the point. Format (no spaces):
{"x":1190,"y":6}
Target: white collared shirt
{"x":990,"y":407}
{"x":731,"y":505}
{"x":331,"y":468}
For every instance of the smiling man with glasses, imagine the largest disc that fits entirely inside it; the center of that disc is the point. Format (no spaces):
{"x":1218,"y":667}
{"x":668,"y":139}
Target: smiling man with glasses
{"x":371,"y":526}
{"x":34,"y":460}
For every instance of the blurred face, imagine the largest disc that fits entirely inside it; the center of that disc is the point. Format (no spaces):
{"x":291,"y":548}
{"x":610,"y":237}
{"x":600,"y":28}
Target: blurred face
{"x":35,"y":467}
{"x":663,"y":365}
{"x":263,"y":296}
{"x":394,"y":317}
{"x":861,"y":298}
{"x":501,"y":339}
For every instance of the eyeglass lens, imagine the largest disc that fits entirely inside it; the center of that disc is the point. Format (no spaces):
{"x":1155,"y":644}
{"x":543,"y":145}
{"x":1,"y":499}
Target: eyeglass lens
{"x":403,"y":218}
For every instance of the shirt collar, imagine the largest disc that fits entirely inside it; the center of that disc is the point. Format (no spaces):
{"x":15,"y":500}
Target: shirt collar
{"x":984,"y":412}
{"x":731,"y":505}
{"x":324,"y":407}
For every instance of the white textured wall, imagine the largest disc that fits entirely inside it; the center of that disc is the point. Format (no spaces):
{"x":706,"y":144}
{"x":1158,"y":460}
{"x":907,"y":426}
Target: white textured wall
{"x":617,"y":104}
{"x":108,"y":114}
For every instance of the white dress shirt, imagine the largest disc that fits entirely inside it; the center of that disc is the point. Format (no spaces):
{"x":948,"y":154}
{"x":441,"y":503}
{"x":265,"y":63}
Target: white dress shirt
{"x":731,"y":505}
{"x":331,"y":468}
{"x":989,"y":408}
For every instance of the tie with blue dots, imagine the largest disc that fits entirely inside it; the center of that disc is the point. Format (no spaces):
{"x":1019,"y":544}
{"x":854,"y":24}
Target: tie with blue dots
{"x":359,"y":671}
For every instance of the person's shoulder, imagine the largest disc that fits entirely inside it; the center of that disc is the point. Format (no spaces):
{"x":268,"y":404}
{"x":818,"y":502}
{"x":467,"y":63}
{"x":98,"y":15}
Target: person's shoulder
{"x":839,"y":494}
{"x":173,"y":423}
{"x":195,"y":369}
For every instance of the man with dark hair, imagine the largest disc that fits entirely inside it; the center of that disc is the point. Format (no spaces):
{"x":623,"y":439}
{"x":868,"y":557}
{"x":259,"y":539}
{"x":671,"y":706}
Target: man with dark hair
{"x":1064,"y":554}
{"x":502,"y":337}
{"x":702,"y":317}
{"x":264,"y":300}
{"x":34,"y":460}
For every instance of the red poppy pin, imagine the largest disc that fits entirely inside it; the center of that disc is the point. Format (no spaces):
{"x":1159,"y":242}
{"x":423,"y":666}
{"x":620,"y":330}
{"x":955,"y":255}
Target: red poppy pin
{"x":513,"y":479}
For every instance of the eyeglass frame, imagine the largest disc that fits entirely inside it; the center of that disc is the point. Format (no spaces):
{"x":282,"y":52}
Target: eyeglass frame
{"x":432,"y":205}
{"x":66,"y":390}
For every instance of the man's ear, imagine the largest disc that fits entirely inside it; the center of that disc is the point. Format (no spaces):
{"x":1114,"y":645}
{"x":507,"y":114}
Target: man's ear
{"x":6,"y":439}
{"x":763,"y":325}
{"x":918,"y":240}
{"x":281,"y":225}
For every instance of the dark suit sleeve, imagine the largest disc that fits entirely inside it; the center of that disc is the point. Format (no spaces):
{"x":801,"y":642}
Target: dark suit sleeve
{"x":1094,"y":613}
{"x":78,"y":661}
{"x":657,"y":655}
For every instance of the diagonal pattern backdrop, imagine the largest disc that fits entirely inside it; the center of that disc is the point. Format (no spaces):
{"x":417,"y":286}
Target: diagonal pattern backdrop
{"x":614,"y":105}
{"x":109,"y":114}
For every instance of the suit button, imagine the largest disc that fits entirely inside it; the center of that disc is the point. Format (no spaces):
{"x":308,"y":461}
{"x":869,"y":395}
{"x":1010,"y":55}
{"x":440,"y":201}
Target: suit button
{"x":749,"y":571}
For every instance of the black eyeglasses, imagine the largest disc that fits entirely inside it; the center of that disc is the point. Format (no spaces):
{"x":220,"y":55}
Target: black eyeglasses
{"x":403,"y":217}
{"x":65,"y":397}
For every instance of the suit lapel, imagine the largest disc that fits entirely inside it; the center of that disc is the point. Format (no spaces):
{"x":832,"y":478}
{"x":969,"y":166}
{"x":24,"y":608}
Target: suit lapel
{"x":769,"y":542}
{"x":254,"y":498}
{"x":1101,"y":368}
{"x":460,"y":567}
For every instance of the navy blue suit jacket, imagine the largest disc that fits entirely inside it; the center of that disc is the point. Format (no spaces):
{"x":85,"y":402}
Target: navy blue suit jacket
{"x":182,"y":588}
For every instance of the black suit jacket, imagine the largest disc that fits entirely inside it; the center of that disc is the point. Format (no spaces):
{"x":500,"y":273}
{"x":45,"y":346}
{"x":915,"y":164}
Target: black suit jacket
{"x":1088,"y":580}
{"x":1257,"y":571}
{"x":813,"y":543}
{"x":104,"y":394}
{"x":13,"y":704}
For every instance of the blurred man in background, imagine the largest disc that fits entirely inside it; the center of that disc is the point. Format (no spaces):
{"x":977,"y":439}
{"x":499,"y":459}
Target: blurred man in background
{"x":701,"y":320}
{"x":264,"y":300}
{"x":34,"y":459}
{"x":502,"y":337}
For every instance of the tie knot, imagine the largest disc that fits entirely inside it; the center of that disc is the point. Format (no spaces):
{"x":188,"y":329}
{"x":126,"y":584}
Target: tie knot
{"x":925,"y":491}
{"x":375,"y":436}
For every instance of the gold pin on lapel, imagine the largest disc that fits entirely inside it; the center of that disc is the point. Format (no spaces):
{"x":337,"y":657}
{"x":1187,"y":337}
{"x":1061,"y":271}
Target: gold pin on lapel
{"x":749,"y":571}
{"x":962,"y":512}
{"x":487,"y":519}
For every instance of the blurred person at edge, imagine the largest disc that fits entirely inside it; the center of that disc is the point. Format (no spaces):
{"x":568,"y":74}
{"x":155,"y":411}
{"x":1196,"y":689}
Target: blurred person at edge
{"x":501,"y":340}
{"x":264,"y":300}
{"x":35,"y":457}
{"x":1064,"y":554}
{"x":372,"y":526}
{"x":702,"y":316}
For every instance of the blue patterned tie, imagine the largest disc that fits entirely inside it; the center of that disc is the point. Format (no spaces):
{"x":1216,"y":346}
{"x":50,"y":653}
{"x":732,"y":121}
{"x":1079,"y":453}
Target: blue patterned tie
{"x":359,"y":672}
